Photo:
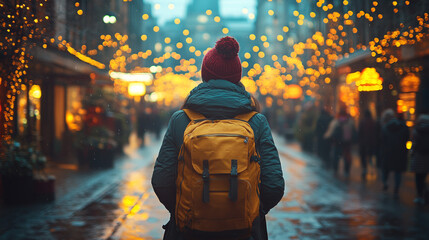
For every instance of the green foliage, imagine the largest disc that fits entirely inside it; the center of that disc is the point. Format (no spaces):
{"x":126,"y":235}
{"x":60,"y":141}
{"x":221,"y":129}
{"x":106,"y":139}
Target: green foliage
{"x":20,"y":160}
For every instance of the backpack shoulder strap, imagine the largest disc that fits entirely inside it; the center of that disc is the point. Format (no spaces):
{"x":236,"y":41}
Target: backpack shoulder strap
{"x":246,"y":116}
{"x":193,"y":115}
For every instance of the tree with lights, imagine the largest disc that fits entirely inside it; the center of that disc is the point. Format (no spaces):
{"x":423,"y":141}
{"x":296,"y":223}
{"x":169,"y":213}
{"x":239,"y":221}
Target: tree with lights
{"x":24,"y":26}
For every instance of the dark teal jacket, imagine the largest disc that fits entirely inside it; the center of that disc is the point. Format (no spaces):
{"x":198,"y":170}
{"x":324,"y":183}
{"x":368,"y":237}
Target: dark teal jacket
{"x":218,"y":99}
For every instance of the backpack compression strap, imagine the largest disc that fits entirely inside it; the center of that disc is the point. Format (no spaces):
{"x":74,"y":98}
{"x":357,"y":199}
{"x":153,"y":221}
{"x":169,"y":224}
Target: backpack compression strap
{"x":246,"y":116}
{"x":193,"y":115}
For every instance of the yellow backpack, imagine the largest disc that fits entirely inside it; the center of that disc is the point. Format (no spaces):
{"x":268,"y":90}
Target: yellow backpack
{"x":218,"y":177}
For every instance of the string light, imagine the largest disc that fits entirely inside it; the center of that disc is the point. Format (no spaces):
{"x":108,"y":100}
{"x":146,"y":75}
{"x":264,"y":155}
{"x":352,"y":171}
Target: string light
{"x":19,"y":25}
{"x":327,"y":49}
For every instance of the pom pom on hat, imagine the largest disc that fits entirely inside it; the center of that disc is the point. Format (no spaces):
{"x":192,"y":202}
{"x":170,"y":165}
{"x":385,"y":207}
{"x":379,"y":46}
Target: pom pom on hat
{"x":227,"y":47}
{"x":222,"y":61}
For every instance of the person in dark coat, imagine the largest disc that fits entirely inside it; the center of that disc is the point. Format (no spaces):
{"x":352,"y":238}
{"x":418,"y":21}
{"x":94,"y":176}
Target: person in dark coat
{"x":342,"y":133}
{"x":377,"y":143}
{"x":220,"y":96}
{"x":323,"y":145}
{"x":366,"y":137}
{"x":420,"y":156}
{"x":142,"y":124}
{"x":305,"y":130}
{"x":395,"y":135}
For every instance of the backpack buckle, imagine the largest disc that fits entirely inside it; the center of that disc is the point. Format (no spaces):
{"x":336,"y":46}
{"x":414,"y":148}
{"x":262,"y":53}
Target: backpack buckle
{"x":206,"y":175}
{"x":206,"y":178}
{"x":233,"y":188}
{"x":234,"y":167}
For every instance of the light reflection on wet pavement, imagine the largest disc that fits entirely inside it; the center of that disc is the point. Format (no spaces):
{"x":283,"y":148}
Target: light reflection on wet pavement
{"x":316,"y":205}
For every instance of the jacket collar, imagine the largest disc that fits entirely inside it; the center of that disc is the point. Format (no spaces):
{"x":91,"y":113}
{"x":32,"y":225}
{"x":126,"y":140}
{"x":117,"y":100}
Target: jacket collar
{"x":219,"y":99}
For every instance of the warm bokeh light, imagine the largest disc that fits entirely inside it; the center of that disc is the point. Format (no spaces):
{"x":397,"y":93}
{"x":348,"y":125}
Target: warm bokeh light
{"x":293,"y":91}
{"x":136,"y":89}
{"x":369,"y":80}
{"x":35,"y":92}
{"x":303,"y":51}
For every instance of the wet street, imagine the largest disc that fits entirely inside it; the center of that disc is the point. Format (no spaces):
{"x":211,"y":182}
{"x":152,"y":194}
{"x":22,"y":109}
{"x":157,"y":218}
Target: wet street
{"x":120,"y":204}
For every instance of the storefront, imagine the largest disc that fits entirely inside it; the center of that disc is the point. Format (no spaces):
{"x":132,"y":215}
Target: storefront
{"x":413,"y":71}
{"x":29,"y":112}
{"x":361,"y":85}
{"x":348,"y":93}
{"x":361,"y":91}
{"x":406,"y":103}
{"x":62,"y":83}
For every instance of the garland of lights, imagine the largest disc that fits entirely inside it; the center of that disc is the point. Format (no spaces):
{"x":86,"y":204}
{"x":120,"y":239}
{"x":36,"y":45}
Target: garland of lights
{"x":400,"y":37}
{"x":22,"y":29}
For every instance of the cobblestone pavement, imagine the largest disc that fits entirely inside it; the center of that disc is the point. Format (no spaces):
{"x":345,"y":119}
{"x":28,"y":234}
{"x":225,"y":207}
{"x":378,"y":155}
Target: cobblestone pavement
{"x":120,"y":204}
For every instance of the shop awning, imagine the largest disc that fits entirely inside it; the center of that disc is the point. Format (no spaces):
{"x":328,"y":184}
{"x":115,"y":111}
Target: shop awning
{"x":358,"y":55}
{"x":65,"y":68}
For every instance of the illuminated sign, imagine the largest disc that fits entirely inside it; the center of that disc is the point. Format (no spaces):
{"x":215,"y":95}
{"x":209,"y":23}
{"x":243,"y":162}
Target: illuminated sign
{"x":368,"y":80}
{"x":132,"y":77}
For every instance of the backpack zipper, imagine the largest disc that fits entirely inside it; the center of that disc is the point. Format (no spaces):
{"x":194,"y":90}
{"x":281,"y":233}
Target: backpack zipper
{"x":246,"y":139}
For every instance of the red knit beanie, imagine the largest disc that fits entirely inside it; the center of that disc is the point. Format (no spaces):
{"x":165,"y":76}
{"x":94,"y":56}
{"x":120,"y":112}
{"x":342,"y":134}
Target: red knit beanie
{"x":222,"y":62}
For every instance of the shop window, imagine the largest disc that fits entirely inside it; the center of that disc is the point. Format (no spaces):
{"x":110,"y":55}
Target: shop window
{"x":407,"y":98}
{"x":74,"y":111}
{"x":349,"y":94}
{"x":29,"y":116}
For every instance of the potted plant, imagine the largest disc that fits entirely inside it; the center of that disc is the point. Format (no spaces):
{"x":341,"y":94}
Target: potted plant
{"x":22,"y":174}
{"x":16,"y":174}
{"x":96,"y":143}
{"x":44,"y":184}
{"x":96,"y":148}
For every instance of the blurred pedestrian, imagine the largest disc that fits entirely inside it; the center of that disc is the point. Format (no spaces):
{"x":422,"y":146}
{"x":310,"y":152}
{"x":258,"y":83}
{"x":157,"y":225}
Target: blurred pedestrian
{"x":323,"y":145}
{"x":157,"y":124}
{"x":377,"y":142}
{"x":220,"y":98}
{"x":342,"y":133}
{"x":394,"y":151}
{"x":142,"y":124}
{"x":420,"y":157}
{"x":305,"y":130}
{"x":366,"y":139}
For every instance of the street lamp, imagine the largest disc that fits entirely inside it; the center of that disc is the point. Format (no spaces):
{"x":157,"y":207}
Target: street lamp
{"x":136,"y":89}
{"x":109,"y":18}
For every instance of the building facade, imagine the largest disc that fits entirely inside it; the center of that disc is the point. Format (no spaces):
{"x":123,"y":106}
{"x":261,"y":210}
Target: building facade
{"x":71,"y":54}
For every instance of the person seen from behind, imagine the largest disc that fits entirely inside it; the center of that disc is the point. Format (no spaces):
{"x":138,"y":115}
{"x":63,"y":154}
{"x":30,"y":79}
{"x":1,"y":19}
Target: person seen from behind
{"x":420,"y":157}
{"x":342,"y":133}
{"x":366,"y":138}
{"x":323,"y":145}
{"x":305,"y":129}
{"x":394,"y":137}
{"x":218,"y":158}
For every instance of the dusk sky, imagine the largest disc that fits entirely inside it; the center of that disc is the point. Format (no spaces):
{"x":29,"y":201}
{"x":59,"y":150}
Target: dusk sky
{"x":227,"y":7}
